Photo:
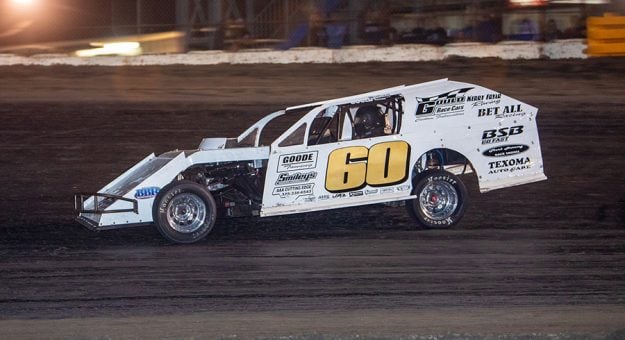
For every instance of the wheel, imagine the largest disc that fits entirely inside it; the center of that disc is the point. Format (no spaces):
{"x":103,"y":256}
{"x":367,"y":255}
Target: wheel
{"x":184,"y":212}
{"x":441,"y":199}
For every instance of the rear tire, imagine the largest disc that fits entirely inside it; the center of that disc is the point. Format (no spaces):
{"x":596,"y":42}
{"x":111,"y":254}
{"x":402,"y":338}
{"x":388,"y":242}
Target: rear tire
{"x":184,"y":212}
{"x":441,"y":200}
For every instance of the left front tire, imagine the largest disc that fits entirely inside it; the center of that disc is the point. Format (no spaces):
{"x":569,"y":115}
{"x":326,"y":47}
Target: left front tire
{"x":184,"y":212}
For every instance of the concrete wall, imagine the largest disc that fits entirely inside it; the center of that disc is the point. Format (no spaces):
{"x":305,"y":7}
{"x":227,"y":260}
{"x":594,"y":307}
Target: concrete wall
{"x":564,"y":49}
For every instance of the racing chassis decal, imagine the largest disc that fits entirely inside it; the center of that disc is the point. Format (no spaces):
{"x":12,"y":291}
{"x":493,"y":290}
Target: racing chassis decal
{"x":443,"y":105}
{"x":354,"y":167}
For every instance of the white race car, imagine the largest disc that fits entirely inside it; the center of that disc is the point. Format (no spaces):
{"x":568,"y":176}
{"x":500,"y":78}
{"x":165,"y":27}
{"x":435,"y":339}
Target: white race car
{"x":401,"y":144}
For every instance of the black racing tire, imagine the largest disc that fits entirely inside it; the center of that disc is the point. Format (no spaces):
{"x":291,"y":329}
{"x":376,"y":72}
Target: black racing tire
{"x":441,"y":200}
{"x":184,"y":212}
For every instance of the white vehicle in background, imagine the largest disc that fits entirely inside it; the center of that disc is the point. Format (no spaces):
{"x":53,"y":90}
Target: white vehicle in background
{"x":406,"y":143}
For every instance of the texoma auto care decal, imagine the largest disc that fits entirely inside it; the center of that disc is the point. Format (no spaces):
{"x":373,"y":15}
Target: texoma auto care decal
{"x":509,"y":165}
{"x":506,"y":150}
{"x":355,"y":167}
{"x":443,"y":105}
{"x":500,"y":135}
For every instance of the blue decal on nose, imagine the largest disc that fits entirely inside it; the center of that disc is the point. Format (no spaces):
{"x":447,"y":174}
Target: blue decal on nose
{"x":149,"y":192}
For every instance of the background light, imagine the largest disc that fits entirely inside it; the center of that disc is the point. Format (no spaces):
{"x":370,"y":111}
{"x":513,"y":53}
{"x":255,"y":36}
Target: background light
{"x":23,"y":2}
{"x":118,"y":48}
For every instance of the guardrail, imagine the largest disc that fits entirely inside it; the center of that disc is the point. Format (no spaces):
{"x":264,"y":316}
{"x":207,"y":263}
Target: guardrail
{"x":606,"y":35}
{"x":563,"y":49}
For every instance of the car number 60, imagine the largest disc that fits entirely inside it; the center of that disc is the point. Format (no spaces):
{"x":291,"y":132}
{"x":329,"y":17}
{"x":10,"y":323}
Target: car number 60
{"x":355,"y":167}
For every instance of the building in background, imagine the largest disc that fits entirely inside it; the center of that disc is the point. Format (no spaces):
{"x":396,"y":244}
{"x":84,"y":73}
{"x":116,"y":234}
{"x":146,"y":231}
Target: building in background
{"x":234,"y":24}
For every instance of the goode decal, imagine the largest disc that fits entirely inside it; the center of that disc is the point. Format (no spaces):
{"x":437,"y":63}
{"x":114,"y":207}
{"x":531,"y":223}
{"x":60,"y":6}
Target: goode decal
{"x":298,"y":161}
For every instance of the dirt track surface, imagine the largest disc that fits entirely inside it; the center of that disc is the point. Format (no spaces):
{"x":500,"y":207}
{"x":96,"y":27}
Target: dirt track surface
{"x":546,"y":259}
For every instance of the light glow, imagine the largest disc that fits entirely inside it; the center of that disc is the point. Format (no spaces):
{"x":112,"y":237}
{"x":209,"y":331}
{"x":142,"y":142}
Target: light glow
{"x":118,"y":48}
{"x":23,"y":2}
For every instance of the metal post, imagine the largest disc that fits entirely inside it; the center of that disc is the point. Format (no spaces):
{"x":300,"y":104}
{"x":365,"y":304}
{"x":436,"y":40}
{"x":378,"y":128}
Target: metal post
{"x":113,"y":17}
{"x":249,"y":16}
{"x":215,"y":10}
{"x":355,"y":7}
{"x":182,"y":15}
{"x":183,"y":20}
{"x":139,"y":17}
{"x":216,"y":19}
{"x":286,"y":19}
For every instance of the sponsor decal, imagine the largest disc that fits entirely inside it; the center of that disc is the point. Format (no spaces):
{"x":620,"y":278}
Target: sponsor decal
{"x":489,"y":111}
{"x":339,"y":195}
{"x":144,"y":193}
{"x":485,"y":99}
{"x":371,"y":191}
{"x":506,"y":150}
{"x":356,"y":193}
{"x":500,"y":135}
{"x":298,"y":177}
{"x":294,"y":190}
{"x":309,"y":199}
{"x":324,"y":197}
{"x":297,"y":161}
{"x":387,"y":191}
{"x":404,"y":187}
{"x":507,"y":111}
{"x":509,"y":165}
{"x":443,"y":105}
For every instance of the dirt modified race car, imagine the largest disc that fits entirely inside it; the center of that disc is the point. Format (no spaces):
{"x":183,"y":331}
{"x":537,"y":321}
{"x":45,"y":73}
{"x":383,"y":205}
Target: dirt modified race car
{"x":406,"y":144}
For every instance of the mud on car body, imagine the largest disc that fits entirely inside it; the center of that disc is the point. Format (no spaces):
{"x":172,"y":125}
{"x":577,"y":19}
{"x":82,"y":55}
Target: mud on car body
{"x":403,"y":144}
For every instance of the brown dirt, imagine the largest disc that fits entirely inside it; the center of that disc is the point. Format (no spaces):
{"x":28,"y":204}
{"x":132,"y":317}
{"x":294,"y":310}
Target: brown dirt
{"x":542,"y":259}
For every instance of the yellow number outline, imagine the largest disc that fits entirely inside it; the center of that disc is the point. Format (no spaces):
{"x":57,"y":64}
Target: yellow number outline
{"x":354,"y":167}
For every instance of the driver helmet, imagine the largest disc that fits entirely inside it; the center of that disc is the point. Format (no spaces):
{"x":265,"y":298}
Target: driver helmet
{"x":368,"y":121}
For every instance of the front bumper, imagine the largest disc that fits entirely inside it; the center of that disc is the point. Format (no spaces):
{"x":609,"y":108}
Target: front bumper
{"x":101,"y":202}
{"x":91,"y":206}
